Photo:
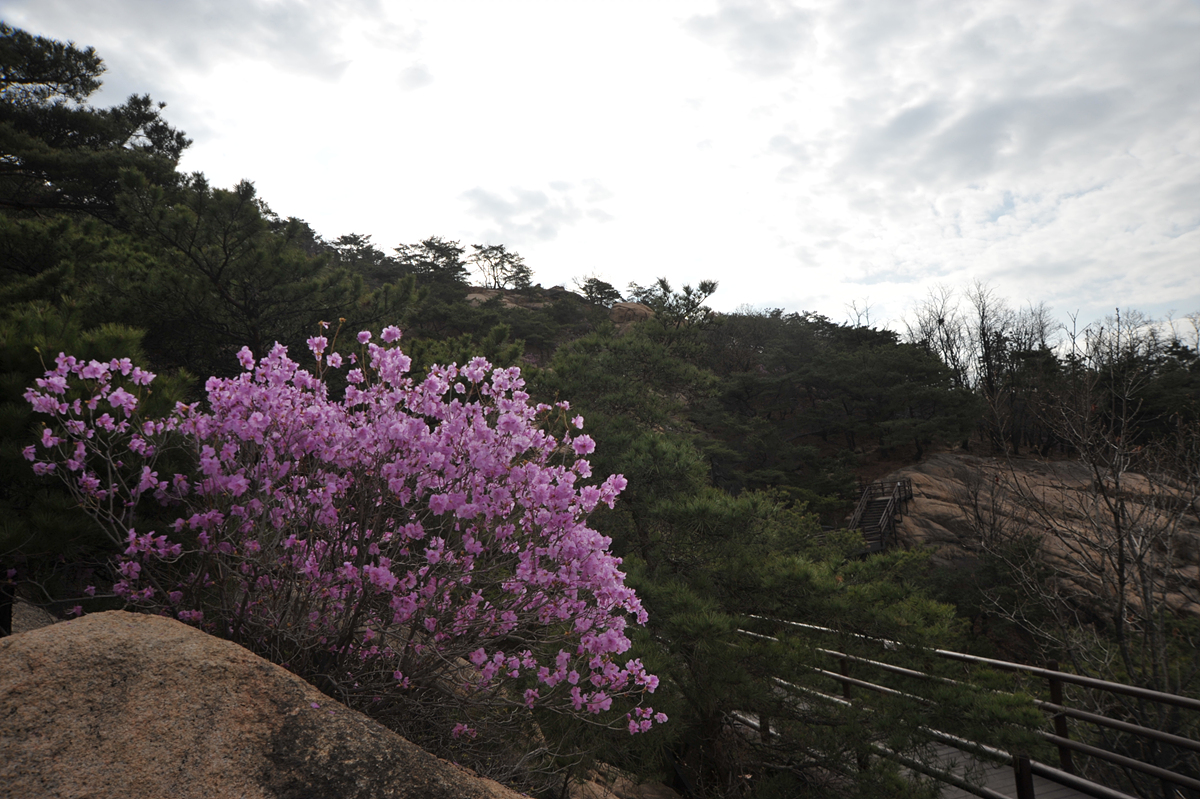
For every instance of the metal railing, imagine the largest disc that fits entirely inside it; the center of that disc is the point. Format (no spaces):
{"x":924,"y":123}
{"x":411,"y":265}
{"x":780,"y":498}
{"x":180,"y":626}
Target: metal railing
{"x":897,"y":493}
{"x":1056,"y":709}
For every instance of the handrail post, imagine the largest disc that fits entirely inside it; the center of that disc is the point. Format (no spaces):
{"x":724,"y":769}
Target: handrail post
{"x":1060,"y":720}
{"x":844,"y":667}
{"x":861,"y":758}
{"x":1024,"y":776}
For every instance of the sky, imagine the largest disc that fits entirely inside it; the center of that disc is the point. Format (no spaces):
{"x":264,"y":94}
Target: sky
{"x":812,"y":155}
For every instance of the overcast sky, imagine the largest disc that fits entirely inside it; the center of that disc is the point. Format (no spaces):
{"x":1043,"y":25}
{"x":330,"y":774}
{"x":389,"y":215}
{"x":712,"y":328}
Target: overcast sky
{"x":806,"y":155}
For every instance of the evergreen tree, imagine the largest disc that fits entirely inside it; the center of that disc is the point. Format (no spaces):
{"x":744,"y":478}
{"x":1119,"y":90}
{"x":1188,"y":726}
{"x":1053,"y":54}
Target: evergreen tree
{"x":598,"y":291}
{"x":676,"y":309}
{"x":221,"y":278}
{"x":435,"y":261}
{"x":57,"y":154}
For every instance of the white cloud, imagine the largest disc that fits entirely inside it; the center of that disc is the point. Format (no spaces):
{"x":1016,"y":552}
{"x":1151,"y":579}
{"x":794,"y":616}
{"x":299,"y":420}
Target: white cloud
{"x":763,"y":37}
{"x":797,"y":152}
{"x":531,"y":215}
{"x":1046,"y":148}
{"x":414,"y":77}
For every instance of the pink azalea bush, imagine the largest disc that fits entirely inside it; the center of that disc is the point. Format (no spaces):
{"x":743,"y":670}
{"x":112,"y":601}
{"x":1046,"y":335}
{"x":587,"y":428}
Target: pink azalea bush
{"x":412,"y":544}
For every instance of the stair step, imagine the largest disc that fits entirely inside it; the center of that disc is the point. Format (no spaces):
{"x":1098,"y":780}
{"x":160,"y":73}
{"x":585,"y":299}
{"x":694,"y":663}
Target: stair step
{"x":875,"y":517}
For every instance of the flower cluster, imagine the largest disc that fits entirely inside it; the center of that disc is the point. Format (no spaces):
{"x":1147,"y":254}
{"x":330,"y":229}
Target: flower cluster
{"x":431,"y":531}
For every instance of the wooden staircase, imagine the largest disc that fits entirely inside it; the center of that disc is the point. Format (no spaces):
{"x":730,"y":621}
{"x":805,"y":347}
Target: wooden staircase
{"x":882,"y":505}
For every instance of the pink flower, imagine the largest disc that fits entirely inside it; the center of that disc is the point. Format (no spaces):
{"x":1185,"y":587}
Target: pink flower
{"x":120,"y":398}
{"x":141,"y":377}
{"x":94,"y":371}
{"x":438,"y":499}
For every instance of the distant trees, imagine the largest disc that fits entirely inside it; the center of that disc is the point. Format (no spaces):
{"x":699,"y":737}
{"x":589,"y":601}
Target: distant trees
{"x":356,"y":252}
{"x":676,"y":308}
{"x":435,"y":261}
{"x":1106,"y":586}
{"x":499,"y":268}
{"x":1014,"y":361}
{"x":221,"y":278}
{"x":1004,"y":356}
{"x":598,"y":291}
{"x":792,"y":379}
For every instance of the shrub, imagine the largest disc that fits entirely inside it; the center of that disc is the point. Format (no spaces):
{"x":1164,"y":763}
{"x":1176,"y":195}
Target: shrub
{"x":417,"y":548}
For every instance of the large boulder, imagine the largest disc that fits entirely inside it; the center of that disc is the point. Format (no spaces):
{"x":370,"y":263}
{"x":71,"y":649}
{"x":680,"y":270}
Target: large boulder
{"x":126,"y":705}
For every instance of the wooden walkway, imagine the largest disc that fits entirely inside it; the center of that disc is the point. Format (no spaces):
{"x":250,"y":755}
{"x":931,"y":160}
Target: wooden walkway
{"x":999,"y":778}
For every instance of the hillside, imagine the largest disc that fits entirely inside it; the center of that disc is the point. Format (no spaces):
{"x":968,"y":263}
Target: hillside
{"x":1056,"y":560}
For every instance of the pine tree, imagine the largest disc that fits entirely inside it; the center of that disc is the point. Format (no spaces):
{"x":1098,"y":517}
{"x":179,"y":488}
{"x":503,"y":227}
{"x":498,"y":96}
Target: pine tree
{"x":58,"y":154}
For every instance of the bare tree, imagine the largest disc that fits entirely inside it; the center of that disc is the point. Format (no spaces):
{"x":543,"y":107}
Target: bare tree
{"x":1111,"y":586}
{"x":859,"y":315}
{"x":938,"y":325}
{"x":500,"y":268}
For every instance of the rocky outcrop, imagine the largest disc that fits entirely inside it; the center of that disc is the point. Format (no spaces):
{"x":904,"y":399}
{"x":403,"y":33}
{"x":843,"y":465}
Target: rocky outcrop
{"x":962,"y":502}
{"x":126,"y":705}
{"x":525,"y":300}
{"x":938,"y":514}
{"x":508,"y":299}
{"x":606,"y":782}
{"x":629,"y":312}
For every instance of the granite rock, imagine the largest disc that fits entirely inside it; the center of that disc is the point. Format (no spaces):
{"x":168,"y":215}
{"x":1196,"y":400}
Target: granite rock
{"x":130,"y":706}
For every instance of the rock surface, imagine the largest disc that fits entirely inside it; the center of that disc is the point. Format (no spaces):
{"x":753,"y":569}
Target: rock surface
{"x":627,"y":312}
{"x":128,"y":706}
{"x":26,"y":617}
{"x":508,"y":299}
{"x":959,"y":499}
{"x":607,"y":782}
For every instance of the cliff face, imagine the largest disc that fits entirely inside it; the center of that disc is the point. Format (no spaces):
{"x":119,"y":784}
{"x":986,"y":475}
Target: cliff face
{"x":126,"y":705}
{"x":963,"y":504}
